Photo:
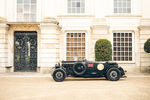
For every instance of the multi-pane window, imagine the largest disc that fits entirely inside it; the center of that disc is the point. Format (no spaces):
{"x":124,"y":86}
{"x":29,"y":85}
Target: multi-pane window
{"x":76,"y":6}
{"x":26,"y":10}
{"x":122,"y":47}
{"x":75,"y":46}
{"x":122,"y":6}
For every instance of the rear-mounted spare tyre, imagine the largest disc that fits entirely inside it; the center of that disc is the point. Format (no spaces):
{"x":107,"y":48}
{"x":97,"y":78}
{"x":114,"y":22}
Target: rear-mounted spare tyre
{"x":79,"y":68}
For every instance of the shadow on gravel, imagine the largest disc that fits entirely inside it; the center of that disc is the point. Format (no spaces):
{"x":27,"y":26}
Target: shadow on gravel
{"x":91,"y":79}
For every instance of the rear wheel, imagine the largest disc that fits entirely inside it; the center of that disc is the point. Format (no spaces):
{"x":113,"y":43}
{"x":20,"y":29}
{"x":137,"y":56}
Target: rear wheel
{"x":113,"y":74}
{"x":59,"y":75}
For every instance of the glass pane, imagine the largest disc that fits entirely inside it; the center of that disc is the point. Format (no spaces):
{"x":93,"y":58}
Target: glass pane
{"x":128,"y":10}
{"x":124,"y":3}
{"x":78,"y":10}
{"x":119,"y":4}
{"x":130,"y":39}
{"x":78,"y":4}
{"x":126,"y":53}
{"x":69,"y":10}
{"x":122,"y":34}
{"x":26,"y":8}
{"x":122,"y":54}
{"x":122,"y":58}
{"x":19,"y":8}
{"x":82,"y":10}
{"x":124,"y":10}
{"x":130,"y":58}
{"x":33,"y":17}
{"x":120,"y":10}
{"x":126,"y":34}
{"x":115,"y":10}
{"x":130,"y":34}
{"x":130,"y":54}
{"x":130,"y":49}
{"x":19,"y":1}
{"x":129,"y":4}
{"x":33,"y":9}
{"x":118,"y":58}
{"x":115,"y":4}
{"x":82,"y":4}
{"x":73,"y":10}
{"x":33,"y":1}
{"x":20,"y":17}
{"x":114,"y":34}
{"x":126,"y":58}
{"x":26,"y":17}
{"x":118,"y":34}
{"x":122,"y":39}
{"x":73,"y":4}
{"x":69,"y":4}
{"x":26,"y":1}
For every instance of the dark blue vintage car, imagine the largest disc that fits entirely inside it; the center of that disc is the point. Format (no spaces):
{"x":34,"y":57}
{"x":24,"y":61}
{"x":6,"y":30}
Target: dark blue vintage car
{"x":87,"y":69}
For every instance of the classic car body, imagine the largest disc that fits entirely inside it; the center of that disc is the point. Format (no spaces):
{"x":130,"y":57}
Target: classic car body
{"x":110,"y":70}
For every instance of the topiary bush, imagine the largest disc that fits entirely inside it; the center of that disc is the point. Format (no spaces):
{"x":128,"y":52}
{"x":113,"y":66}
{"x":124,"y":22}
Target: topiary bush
{"x":103,"y":50}
{"x":147,"y":46}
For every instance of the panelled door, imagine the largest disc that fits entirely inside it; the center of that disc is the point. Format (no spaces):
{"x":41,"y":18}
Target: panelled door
{"x":25,"y":51}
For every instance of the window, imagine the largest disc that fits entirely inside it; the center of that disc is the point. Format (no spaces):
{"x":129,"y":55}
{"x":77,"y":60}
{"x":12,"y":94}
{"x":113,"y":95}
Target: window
{"x":26,"y":10}
{"x":75,"y":46}
{"x":122,"y":46}
{"x":122,"y":6}
{"x":76,"y":6}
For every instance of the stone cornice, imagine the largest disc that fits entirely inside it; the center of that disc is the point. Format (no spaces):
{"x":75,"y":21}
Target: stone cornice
{"x":76,"y":15}
{"x":145,"y":23}
{"x":123,"y":16}
{"x":50,"y":20}
{"x":22,"y":27}
{"x":22,"y":23}
{"x":141,"y":27}
{"x":99,"y":26}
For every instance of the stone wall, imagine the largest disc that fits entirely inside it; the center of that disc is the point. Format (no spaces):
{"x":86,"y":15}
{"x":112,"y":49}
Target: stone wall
{"x":49,"y":46}
{"x":144,"y":36}
{"x":3,"y":47}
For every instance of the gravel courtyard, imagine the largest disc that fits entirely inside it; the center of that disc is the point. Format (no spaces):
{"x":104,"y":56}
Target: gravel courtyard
{"x":44,"y":88}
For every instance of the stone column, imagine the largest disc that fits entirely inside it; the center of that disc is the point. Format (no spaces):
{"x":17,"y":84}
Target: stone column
{"x":144,"y":57}
{"x":3,"y":47}
{"x":136,"y":52}
{"x":49,"y":45}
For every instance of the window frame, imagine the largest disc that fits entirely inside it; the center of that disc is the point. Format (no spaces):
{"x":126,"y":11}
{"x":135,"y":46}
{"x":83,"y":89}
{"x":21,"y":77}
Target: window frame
{"x":122,"y":7}
{"x":66,"y":43}
{"x":133,"y":46}
{"x":75,"y":8}
{"x":15,"y":12}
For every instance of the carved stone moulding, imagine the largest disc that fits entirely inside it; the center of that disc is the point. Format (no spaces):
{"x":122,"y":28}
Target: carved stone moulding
{"x":24,"y":26}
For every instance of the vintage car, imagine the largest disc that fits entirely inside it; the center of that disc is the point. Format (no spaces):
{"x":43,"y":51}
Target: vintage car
{"x":87,"y":69}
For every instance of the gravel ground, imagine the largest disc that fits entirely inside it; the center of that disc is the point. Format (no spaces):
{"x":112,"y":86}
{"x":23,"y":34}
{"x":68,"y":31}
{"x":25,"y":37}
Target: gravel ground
{"x":44,"y":88}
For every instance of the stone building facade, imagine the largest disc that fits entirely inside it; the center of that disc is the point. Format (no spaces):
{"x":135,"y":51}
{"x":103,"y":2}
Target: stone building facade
{"x":35,"y":34}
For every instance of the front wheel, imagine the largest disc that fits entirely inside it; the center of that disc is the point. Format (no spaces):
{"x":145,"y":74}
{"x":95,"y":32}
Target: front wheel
{"x":113,"y":74}
{"x":59,"y":75}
